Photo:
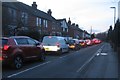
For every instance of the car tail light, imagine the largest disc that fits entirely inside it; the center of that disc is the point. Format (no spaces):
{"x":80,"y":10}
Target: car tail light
{"x":57,"y":44}
{"x":5,"y":47}
{"x":1,"y":58}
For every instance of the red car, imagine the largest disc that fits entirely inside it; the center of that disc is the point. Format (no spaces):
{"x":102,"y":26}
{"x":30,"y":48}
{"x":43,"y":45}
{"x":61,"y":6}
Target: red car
{"x":18,"y":49}
{"x":96,"y":41}
{"x":89,"y":42}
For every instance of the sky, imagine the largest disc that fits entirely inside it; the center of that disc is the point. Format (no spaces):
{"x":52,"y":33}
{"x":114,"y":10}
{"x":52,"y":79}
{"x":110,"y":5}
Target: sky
{"x":86,"y":13}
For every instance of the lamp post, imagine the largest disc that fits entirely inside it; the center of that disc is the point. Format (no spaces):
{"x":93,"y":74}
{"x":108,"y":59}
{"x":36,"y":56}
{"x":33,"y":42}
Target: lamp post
{"x":114,"y":14}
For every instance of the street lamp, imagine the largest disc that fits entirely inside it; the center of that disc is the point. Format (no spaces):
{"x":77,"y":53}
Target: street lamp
{"x":114,"y":14}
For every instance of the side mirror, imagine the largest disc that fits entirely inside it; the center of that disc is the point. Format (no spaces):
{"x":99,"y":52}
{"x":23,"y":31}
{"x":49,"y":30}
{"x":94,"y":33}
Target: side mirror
{"x":37,"y":44}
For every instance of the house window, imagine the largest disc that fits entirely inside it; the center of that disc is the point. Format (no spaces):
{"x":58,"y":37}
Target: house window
{"x":45,"y":23}
{"x":66,"y":29}
{"x":37,"y":21}
{"x":40,"y":21}
{"x":12,"y":14}
{"x":63,"y":29}
{"x":24,"y":17}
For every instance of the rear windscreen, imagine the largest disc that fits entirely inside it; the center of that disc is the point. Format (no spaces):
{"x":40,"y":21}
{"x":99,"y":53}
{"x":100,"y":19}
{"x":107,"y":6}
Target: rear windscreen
{"x":4,"y":41}
{"x":71,"y":41}
{"x":51,"y":40}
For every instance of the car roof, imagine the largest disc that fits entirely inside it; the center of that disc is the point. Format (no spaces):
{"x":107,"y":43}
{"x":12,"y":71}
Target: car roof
{"x":19,"y":37}
{"x":4,"y":38}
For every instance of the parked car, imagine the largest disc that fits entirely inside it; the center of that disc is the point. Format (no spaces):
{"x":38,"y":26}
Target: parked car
{"x":55,"y":44}
{"x":18,"y":49}
{"x":82,"y":43}
{"x":89,"y":42}
{"x":96,"y":41}
{"x":74,"y":44}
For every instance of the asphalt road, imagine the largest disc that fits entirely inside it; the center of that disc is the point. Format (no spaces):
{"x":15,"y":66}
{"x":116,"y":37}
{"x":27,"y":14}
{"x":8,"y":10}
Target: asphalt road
{"x":97,"y":61}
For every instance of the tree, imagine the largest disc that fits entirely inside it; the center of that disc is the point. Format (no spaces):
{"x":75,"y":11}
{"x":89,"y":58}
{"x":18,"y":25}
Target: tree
{"x":109,"y":35}
{"x":31,"y":33}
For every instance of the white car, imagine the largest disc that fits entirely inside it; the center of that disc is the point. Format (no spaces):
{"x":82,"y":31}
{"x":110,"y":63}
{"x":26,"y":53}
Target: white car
{"x":55,"y":44}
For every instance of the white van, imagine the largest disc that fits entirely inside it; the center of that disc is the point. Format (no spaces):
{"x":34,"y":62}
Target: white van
{"x":55,"y":44}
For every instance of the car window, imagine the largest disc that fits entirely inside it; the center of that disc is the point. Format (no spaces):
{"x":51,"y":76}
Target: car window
{"x":31,"y":42}
{"x":4,"y":41}
{"x":48,"y":40}
{"x":21,"y":41}
{"x":71,"y":41}
{"x":62,"y":41}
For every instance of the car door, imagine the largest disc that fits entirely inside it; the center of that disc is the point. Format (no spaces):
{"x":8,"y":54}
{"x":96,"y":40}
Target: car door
{"x":64,"y":45}
{"x":35,"y":49}
{"x":22,"y":44}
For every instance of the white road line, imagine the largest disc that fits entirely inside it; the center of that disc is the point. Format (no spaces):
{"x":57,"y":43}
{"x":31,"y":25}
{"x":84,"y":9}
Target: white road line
{"x":64,"y":56}
{"x":98,"y":51}
{"x":27,"y":69}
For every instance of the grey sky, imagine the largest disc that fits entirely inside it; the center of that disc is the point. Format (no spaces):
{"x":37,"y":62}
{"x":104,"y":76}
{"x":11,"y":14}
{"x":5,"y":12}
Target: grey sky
{"x":86,"y":13}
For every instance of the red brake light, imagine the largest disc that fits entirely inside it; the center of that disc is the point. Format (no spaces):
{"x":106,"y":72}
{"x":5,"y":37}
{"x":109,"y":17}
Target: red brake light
{"x":1,"y":58}
{"x":57,"y":44}
{"x":5,"y":47}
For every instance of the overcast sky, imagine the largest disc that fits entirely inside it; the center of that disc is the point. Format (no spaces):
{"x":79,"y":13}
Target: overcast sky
{"x":86,"y":13}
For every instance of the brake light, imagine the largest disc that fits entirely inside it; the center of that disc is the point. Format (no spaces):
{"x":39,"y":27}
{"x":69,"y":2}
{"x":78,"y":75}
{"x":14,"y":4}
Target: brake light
{"x":57,"y":44}
{"x":1,"y":58}
{"x":5,"y":47}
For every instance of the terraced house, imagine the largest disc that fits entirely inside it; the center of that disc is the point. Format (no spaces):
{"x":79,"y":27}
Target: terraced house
{"x":18,"y":16}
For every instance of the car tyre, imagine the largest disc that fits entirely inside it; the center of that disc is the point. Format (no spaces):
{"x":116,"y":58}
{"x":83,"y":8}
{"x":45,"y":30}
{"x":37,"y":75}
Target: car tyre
{"x":42,"y":56}
{"x":60,"y":52}
{"x":17,"y":62}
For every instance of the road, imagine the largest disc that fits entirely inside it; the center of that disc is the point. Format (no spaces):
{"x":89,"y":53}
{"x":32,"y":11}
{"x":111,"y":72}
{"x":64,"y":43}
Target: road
{"x":97,"y":61}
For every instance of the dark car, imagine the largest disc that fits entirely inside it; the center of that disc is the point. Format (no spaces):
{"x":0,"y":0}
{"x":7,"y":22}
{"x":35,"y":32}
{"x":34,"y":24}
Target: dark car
{"x":74,"y":44}
{"x":18,"y":49}
{"x":82,"y":43}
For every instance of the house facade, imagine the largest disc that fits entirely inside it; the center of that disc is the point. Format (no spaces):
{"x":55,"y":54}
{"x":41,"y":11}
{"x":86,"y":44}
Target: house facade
{"x":119,"y":9}
{"x":63,"y":27}
{"x":17,"y":17}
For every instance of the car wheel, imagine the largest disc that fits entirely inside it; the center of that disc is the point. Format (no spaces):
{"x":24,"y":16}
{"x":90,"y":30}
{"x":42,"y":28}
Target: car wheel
{"x":42,"y":57}
{"x":68,"y":50}
{"x":17,"y":62}
{"x":60,"y":51}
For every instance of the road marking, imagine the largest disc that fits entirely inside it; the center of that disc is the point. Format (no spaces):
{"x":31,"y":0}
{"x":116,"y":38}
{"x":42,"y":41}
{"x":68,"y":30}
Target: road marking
{"x":27,"y":69}
{"x":64,"y":56}
{"x":104,"y":54}
{"x":98,"y":51}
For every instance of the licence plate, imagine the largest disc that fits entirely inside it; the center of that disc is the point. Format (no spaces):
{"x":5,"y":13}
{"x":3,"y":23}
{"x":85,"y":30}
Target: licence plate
{"x":46,"y":49}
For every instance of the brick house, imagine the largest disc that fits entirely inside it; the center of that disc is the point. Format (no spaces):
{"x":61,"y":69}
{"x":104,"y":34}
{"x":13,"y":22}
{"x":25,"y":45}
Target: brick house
{"x":63,"y":27}
{"x":74,"y":31}
{"x":19,"y":16}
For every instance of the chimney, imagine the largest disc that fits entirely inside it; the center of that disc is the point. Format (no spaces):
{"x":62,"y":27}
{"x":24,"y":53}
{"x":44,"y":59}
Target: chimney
{"x":69,"y":22}
{"x":73,"y":24}
{"x":34,"y":5}
{"x":77,"y":25}
{"x":49,"y":12}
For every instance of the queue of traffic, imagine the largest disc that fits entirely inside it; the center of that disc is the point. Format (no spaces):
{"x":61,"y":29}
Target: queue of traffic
{"x":16,"y":50}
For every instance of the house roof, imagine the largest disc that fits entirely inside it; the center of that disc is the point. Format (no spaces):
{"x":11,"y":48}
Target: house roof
{"x":29,"y":9}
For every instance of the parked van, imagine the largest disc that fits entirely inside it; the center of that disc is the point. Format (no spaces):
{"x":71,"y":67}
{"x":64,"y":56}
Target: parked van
{"x":55,"y":44}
